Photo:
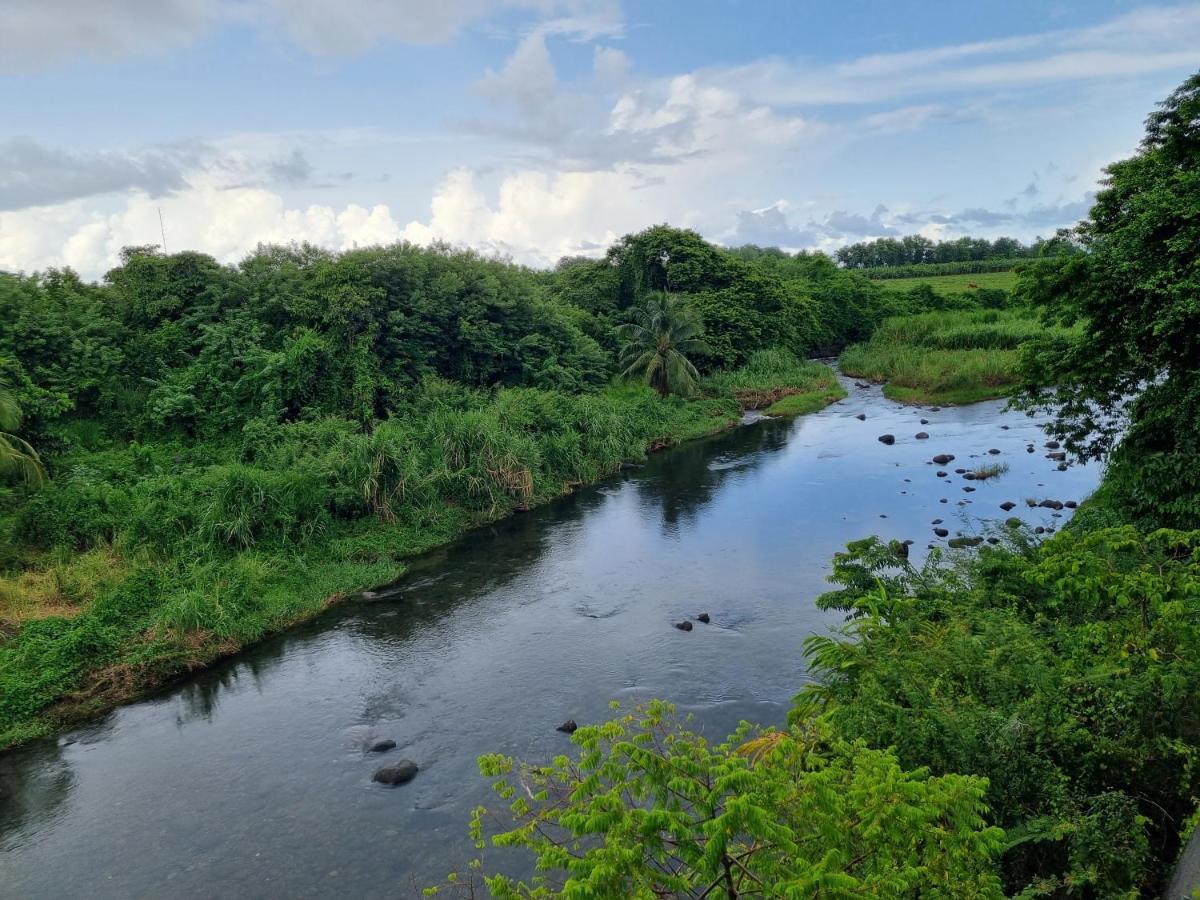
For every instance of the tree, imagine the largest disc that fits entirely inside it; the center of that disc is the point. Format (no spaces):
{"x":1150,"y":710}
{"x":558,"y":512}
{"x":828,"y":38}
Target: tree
{"x":650,"y":810}
{"x":1129,"y":387}
{"x":663,"y":330}
{"x":17,"y":457}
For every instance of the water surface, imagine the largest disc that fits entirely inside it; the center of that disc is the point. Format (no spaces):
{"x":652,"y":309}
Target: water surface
{"x":249,"y":779}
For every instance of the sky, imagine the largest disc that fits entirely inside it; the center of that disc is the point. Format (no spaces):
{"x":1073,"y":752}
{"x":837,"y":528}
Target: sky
{"x":537,"y":129}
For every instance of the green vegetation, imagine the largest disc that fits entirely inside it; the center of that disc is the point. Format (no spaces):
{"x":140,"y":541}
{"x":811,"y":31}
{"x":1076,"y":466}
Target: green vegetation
{"x":1062,"y":678}
{"x":915,"y":254}
{"x":1136,"y":286}
{"x":656,"y":344}
{"x":946,"y":285}
{"x":780,"y":383}
{"x":17,"y":457}
{"x":778,"y":814}
{"x":946,"y":357}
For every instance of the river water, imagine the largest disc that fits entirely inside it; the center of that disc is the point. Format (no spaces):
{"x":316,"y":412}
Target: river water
{"x":250,"y":780}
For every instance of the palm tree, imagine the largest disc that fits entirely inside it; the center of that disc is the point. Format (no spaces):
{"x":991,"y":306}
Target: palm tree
{"x":17,"y":458}
{"x":662,"y":331}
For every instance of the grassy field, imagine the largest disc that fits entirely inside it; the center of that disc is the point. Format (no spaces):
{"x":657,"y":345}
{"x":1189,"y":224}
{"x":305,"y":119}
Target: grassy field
{"x":954,"y":284}
{"x":948,"y":358}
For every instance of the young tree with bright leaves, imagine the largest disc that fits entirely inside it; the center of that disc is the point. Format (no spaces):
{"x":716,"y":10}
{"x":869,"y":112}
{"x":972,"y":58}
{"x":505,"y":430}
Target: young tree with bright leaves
{"x":17,"y":458}
{"x":1129,"y":387}
{"x":664,"y":329}
{"x":650,"y":809}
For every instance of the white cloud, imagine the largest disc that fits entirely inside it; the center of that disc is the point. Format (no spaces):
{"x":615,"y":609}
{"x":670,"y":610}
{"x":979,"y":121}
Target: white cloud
{"x":226,"y":223}
{"x":537,"y":217}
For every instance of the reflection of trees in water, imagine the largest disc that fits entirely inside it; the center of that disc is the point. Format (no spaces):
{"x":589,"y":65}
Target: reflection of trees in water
{"x":200,"y":695}
{"x":34,"y":783}
{"x":683,"y":481}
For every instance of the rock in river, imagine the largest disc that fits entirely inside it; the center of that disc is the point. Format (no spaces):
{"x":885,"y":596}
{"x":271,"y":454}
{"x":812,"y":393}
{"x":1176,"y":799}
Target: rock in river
{"x":396,"y":773}
{"x":1007,"y":505}
{"x":382,"y":746}
{"x":922,"y":435}
{"x":942,"y":458}
{"x":568,"y":727}
{"x":685,"y":625}
{"x":703,"y":617}
{"x":941,"y":532}
{"x":887,"y":439}
{"x":862,"y":417}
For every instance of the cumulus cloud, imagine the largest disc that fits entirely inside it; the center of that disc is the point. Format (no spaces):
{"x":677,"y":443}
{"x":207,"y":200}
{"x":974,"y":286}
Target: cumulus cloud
{"x":38,"y":35}
{"x":536,"y":217}
{"x":226,"y":223}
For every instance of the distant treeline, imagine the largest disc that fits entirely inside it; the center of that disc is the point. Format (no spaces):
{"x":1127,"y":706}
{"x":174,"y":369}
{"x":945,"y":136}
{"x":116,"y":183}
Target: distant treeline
{"x":915,"y":250}
{"x":925,"y":270}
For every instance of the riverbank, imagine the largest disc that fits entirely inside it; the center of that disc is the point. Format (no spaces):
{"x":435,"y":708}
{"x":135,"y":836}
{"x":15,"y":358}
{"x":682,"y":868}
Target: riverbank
{"x":947,"y":358}
{"x":243,"y":550}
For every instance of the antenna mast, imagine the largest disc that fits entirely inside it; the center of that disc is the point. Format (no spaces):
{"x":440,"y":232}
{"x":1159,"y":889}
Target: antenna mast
{"x":162,"y":230}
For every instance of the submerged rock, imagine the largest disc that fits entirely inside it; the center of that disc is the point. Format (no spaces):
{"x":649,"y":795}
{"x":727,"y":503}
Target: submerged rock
{"x":942,"y":474}
{"x":685,"y":625}
{"x":1007,"y":505}
{"x":922,"y":435}
{"x":1060,"y":456}
{"x":888,"y":439}
{"x":942,"y":532}
{"x":924,"y":421}
{"x":703,"y":617}
{"x":568,"y":727}
{"x":936,"y":522}
{"x":1070,"y":504}
{"x":382,"y":746}
{"x":1052,"y":445}
{"x":862,"y":417}
{"x":995,"y":451}
{"x":396,"y":773}
{"x":942,"y":458}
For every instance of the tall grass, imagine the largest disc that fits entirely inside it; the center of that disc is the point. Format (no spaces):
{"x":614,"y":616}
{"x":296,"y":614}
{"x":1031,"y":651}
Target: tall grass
{"x":955,"y":356}
{"x":769,"y":376}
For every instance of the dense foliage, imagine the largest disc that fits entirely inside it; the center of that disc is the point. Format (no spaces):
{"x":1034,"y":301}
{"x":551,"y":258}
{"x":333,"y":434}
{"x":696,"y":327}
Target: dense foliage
{"x":650,"y":810}
{"x":1067,"y":674}
{"x":918,"y":250}
{"x":1133,"y":376}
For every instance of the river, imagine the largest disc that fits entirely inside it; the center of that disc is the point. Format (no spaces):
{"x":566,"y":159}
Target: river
{"x":250,"y":780}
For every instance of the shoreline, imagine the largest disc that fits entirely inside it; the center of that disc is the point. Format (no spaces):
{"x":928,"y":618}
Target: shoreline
{"x":116,"y":685}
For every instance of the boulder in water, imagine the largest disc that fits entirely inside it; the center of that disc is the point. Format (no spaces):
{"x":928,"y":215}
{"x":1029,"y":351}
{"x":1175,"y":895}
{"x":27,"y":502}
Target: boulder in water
{"x":703,"y":617}
{"x":568,"y":727}
{"x":1007,"y":505}
{"x":922,"y":435}
{"x":382,"y":746}
{"x":862,"y":417}
{"x":396,"y":773}
{"x":685,"y":625}
{"x":942,"y":532}
{"x":888,"y":439}
{"x":942,"y":458}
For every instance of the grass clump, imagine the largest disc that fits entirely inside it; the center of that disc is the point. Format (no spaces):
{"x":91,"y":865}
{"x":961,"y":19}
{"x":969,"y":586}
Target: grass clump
{"x":994,"y":470}
{"x":950,"y":357}
{"x":779,"y":382}
{"x":948,"y":285}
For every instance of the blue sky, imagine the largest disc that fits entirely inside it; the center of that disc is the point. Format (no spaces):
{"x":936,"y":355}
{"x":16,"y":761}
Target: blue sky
{"x":539,"y":128}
